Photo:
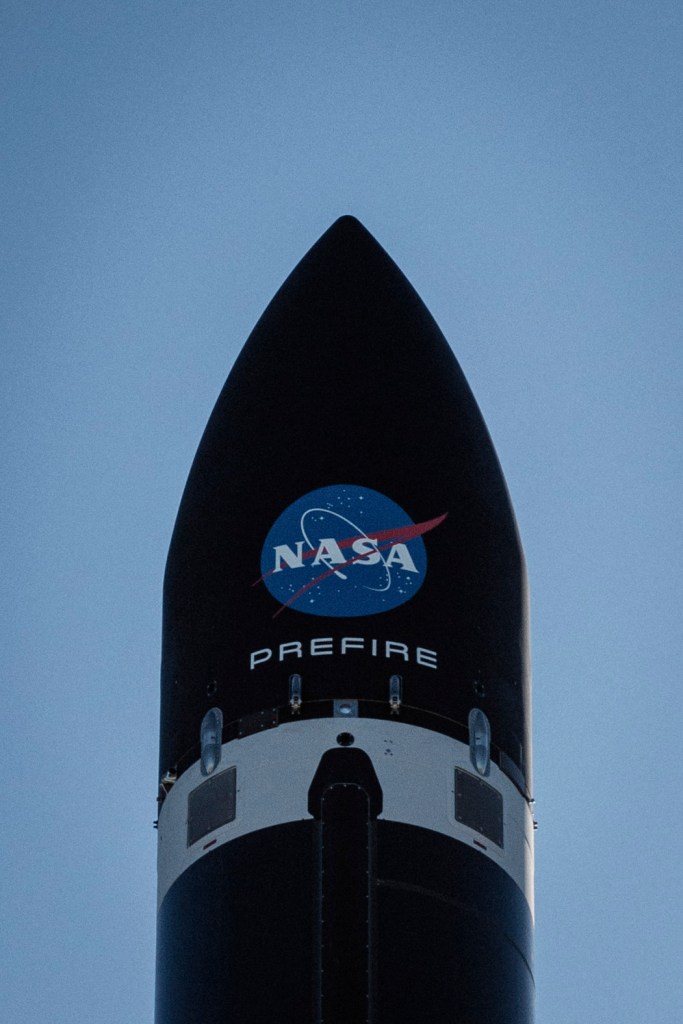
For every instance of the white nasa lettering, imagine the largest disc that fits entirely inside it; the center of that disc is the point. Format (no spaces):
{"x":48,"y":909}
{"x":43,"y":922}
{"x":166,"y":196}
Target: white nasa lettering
{"x":283,"y":553}
{"x":366,"y":546}
{"x":400,"y":554}
{"x":328,"y":552}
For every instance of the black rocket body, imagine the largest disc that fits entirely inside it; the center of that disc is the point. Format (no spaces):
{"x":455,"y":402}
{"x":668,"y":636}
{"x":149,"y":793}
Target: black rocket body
{"x":345,"y":832}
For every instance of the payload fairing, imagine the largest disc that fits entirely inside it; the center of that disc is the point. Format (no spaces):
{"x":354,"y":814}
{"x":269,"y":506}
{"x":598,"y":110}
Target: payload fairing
{"x":345,"y":832}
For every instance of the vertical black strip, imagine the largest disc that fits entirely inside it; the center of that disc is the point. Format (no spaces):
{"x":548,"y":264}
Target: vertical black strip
{"x":345,"y":797}
{"x":345,"y":897}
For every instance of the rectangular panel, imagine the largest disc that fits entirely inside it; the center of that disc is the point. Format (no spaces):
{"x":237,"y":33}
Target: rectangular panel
{"x":211,"y":805}
{"x":479,"y":806}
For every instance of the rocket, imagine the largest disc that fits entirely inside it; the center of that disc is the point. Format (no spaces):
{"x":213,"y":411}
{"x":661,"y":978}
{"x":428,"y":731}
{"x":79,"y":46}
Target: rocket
{"x":345,"y":831}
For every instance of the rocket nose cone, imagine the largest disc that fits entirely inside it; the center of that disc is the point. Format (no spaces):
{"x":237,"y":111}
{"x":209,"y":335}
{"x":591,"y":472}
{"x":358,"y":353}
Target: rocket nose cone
{"x":346,"y":321}
{"x":347,"y":240}
{"x":346,"y":230}
{"x":347,"y":376}
{"x":349,"y":225}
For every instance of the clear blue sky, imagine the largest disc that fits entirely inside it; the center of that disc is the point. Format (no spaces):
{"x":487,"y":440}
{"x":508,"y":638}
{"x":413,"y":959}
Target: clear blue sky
{"x":164,"y":166}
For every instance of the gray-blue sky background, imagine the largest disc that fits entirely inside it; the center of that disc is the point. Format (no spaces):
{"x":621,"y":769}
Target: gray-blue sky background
{"x":164,"y":167}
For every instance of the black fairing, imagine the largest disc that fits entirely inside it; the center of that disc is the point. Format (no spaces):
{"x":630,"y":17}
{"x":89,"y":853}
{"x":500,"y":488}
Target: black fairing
{"x":346,"y":379}
{"x":238,"y":939}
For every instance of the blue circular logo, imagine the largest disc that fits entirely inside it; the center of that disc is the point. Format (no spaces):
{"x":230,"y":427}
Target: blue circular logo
{"x":344,"y":551}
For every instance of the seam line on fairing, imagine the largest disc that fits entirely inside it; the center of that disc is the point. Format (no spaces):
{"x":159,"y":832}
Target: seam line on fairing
{"x":384,"y":883}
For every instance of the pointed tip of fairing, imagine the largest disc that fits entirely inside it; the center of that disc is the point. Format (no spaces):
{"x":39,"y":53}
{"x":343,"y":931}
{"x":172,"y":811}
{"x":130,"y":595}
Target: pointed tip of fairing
{"x":347,"y":222}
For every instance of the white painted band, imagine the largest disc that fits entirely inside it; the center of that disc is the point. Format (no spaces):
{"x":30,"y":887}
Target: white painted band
{"x":415,"y":768}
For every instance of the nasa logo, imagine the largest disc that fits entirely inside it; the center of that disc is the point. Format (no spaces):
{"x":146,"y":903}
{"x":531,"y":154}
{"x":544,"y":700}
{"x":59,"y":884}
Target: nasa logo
{"x":344,"y":551}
